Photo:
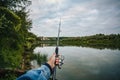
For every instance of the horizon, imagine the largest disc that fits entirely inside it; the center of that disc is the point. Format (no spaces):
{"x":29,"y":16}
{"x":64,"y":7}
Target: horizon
{"x":82,"y":36}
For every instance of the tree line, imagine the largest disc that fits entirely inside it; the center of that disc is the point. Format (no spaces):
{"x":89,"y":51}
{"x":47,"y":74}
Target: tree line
{"x":100,"y":41}
{"x":96,"y":41}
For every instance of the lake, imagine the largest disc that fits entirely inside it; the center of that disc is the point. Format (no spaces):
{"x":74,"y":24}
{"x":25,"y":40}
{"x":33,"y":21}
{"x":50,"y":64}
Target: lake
{"x":83,"y":63}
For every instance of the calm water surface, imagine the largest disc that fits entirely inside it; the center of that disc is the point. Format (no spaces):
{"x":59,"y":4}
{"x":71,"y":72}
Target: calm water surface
{"x":86,"y":63}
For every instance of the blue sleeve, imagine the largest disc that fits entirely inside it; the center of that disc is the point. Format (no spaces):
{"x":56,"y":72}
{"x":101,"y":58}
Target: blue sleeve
{"x":42,"y":73}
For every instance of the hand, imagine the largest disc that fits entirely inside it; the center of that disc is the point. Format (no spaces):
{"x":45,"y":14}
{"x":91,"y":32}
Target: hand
{"x":53,"y":60}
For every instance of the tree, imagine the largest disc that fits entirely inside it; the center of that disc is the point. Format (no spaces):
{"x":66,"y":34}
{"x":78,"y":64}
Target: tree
{"x":14,"y":25}
{"x":10,"y":25}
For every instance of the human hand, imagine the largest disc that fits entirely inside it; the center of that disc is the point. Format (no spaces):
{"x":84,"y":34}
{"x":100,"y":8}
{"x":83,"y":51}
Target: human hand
{"x":53,"y":61}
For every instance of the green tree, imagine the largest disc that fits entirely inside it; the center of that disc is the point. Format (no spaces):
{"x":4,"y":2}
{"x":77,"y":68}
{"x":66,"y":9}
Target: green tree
{"x":14,"y":25}
{"x":10,"y":25}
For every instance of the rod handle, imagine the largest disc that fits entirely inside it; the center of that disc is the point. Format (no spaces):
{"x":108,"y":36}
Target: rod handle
{"x":56,"y":51}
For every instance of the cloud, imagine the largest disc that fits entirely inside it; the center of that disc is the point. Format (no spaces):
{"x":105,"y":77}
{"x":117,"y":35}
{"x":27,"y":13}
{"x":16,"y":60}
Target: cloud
{"x":79,"y":17}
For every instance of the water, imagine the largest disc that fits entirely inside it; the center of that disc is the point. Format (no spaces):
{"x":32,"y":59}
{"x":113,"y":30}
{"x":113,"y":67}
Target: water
{"x":86,"y":63}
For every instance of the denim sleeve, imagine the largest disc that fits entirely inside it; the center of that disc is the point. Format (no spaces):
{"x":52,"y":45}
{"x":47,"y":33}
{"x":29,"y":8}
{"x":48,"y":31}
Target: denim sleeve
{"x":42,"y":73}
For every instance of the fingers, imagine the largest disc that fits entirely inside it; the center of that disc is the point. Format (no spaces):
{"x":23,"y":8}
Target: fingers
{"x":57,"y":61}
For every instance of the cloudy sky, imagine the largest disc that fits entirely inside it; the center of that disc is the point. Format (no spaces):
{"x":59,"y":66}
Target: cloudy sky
{"x":78,"y":17}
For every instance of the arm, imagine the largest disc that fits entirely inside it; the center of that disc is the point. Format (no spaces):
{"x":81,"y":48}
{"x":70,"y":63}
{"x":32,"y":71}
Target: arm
{"x":42,"y":73}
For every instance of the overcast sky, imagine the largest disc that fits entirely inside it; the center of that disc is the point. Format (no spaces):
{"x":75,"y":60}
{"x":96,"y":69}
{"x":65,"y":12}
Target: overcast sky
{"x":79,"y":17}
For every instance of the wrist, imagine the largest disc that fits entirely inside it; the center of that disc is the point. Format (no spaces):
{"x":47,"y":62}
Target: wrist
{"x":49,"y":66}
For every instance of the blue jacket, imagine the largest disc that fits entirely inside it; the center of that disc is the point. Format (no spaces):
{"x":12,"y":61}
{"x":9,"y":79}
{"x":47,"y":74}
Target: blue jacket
{"x":42,"y":73}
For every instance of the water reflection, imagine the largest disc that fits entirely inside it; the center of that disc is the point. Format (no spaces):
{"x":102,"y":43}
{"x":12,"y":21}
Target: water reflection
{"x":86,"y":63}
{"x":38,"y":59}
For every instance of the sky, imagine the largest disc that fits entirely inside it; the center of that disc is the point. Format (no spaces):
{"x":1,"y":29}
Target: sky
{"x":78,"y":17}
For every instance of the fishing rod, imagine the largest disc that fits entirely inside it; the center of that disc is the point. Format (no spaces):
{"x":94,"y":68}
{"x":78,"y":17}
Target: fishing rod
{"x":57,"y":54}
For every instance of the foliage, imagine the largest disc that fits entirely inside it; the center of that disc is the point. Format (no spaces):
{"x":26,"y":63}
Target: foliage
{"x":10,"y":44}
{"x":14,"y":4}
{"x":9,"y":76}
{"x":14,"y":34}
{"x":40,"y":58}
{"x":98,"y":40}
{"x":16,"y":41}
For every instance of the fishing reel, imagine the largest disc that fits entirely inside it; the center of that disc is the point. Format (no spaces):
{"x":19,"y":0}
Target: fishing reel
{"x":61,"y":61}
